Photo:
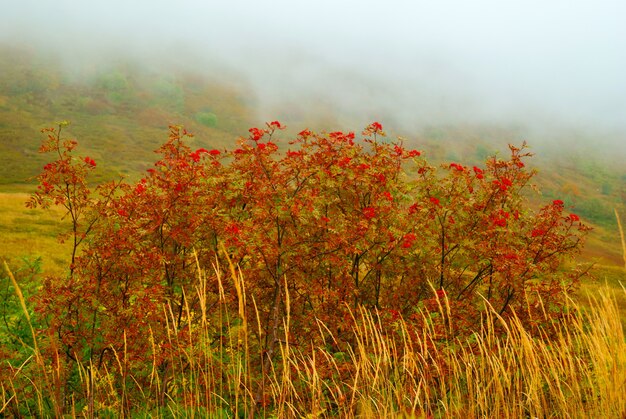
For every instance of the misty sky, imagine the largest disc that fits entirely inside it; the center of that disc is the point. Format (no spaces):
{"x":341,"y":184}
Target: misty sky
{"x":549,"y":61}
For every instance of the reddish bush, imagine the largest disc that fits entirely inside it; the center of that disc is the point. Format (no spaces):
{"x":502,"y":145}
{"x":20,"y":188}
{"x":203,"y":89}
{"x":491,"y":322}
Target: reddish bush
{"x":336,"y":222}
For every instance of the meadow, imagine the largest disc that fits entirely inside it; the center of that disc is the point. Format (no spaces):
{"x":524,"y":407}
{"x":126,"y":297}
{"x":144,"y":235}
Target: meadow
{"x":334,"y":275}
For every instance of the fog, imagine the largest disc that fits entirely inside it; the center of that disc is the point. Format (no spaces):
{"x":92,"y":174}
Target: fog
{"x":540,"y":64}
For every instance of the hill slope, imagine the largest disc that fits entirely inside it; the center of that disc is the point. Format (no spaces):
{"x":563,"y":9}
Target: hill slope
{"x":120,"y":112}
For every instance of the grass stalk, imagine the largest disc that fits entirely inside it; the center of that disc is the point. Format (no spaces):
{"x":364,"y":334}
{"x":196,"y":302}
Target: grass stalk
{"x":621,"y":234}
{"x":501,"y":371}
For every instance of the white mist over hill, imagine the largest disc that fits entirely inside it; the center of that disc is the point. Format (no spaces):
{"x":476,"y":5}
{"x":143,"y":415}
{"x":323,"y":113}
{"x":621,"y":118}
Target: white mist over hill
{"x":541,"y":64}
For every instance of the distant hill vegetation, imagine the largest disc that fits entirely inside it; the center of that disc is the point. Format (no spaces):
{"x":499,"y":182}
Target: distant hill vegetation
{"x":120,"y":113}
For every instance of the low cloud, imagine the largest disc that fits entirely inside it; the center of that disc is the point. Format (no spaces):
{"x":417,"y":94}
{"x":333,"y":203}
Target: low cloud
{"x":544,"y":65}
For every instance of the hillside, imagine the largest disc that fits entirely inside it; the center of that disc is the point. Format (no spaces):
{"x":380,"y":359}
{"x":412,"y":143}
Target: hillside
{"x":120,"y":113}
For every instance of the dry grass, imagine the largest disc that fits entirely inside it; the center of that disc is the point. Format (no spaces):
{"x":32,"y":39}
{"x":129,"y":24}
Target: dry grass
{"x":581,"y":373}
{"x":32,"y":232}
{"x":621,"y":235}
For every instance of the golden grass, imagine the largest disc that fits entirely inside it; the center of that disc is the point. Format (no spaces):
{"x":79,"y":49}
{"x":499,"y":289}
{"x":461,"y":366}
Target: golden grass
{"x":621,"y":235}
{"x":32,"y":233}
{"x":581,"y":373}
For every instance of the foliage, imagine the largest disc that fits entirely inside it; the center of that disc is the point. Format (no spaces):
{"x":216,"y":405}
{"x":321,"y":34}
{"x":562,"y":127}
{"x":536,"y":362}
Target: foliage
{"x":333,"y":225}
{"x":489,"y":374}
{"x":208,"y":119}
{"x":596,"y":211}
{"x":14,"y":330}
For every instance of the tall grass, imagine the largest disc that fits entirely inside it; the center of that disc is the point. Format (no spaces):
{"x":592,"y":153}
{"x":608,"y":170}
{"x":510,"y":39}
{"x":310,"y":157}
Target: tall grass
{"x":579,"y":373}
{"x":621,"y":235}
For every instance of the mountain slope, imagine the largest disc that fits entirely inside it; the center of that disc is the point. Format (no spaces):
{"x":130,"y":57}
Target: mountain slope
{"x":120,"y":112}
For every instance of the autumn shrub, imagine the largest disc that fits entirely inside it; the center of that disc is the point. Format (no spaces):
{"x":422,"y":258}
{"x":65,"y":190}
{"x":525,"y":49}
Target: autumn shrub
{"x":513,"y":374}
{"x":337,"y":222}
